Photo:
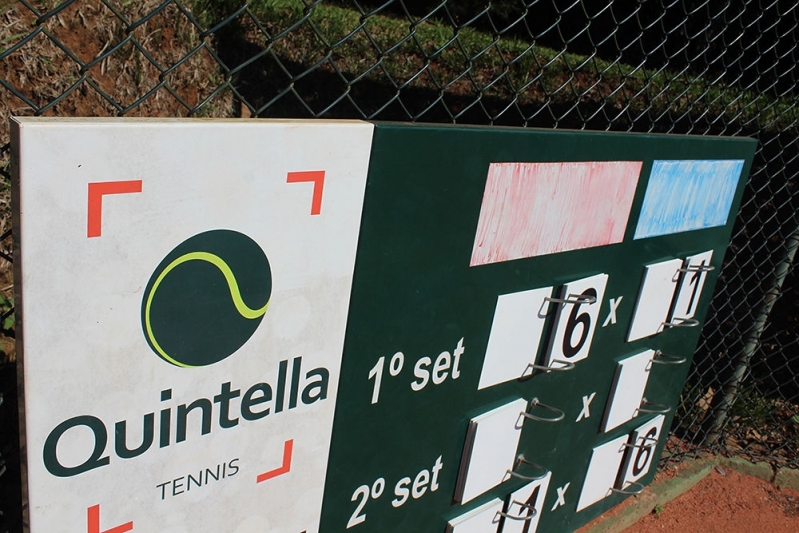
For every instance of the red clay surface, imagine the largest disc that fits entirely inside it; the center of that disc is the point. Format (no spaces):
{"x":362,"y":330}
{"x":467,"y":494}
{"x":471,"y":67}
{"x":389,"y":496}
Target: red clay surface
{"x":726,"y":503}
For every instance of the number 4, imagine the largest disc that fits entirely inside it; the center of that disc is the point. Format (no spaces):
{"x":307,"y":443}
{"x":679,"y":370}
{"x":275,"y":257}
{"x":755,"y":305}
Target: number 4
{"x":525,"y":506}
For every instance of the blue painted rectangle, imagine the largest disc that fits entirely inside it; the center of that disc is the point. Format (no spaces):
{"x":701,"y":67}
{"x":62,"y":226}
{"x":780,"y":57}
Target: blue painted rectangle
{"x":688,"y":195}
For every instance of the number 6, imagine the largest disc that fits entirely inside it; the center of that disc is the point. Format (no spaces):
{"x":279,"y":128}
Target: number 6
{"x":645,"y":452}
{"x":583,"y":319}
{"x":575,"y":320}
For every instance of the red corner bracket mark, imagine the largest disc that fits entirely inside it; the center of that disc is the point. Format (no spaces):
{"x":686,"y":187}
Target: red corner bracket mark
{"x":288,"y":446}
{"x":317,"y":177}
{"x":96,"y":192}
{"x":94,"y":522}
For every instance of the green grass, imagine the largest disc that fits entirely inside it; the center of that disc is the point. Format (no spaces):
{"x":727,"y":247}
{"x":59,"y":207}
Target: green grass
{"x":470,"y":62}
{"x":754,"y":408}
{"x":10,"y":39}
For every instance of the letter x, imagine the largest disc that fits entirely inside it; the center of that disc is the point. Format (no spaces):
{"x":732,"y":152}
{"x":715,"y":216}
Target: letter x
{"x":586,"y":412}
{"x":561,"y":496}
{"x":614,"y":304}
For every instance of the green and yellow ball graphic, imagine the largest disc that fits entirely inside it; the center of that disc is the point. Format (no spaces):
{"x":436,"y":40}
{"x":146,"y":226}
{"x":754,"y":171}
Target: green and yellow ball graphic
{"x":206,"y":298}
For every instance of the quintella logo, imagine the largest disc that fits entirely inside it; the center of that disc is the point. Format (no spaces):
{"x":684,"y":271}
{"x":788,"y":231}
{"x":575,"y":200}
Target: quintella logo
{"x":206,"y":298}
{"x":203,"y":302}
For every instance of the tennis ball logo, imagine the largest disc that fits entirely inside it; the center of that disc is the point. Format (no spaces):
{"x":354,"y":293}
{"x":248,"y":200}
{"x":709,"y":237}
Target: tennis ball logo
{"x":206,"y":298}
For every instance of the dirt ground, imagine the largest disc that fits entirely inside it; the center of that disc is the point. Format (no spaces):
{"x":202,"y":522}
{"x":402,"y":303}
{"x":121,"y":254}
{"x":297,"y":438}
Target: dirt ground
{"x":725,"y":502}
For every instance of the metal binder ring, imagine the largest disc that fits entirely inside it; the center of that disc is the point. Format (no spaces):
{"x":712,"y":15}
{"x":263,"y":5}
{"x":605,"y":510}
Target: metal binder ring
{"x":661,"y":358}
{"x":697,"y":268}
{"x":630,"y":492}
{"x":521,"y":460}
{"x":652,"y":442}
{"x":656,"y":408}
{"x":682,"y":323}
{"x":574,"y":299}
{"x":563,"y":366}
{"x":532,"y":512}
{"x":535,"y":403}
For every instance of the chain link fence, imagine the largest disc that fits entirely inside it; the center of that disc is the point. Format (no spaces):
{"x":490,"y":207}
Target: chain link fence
{"x":703,"y":67}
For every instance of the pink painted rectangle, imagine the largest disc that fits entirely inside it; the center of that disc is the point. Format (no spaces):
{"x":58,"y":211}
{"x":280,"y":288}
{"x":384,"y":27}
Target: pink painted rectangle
{"x":532,"y":209}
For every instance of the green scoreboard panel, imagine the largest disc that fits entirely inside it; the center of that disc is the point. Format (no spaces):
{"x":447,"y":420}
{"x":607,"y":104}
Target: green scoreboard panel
{"x":367,"y":328}
{"x":524,"y":309}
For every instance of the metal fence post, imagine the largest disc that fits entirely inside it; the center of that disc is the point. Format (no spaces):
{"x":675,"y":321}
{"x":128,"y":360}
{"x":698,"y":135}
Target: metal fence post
{"x":729,"y":391}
